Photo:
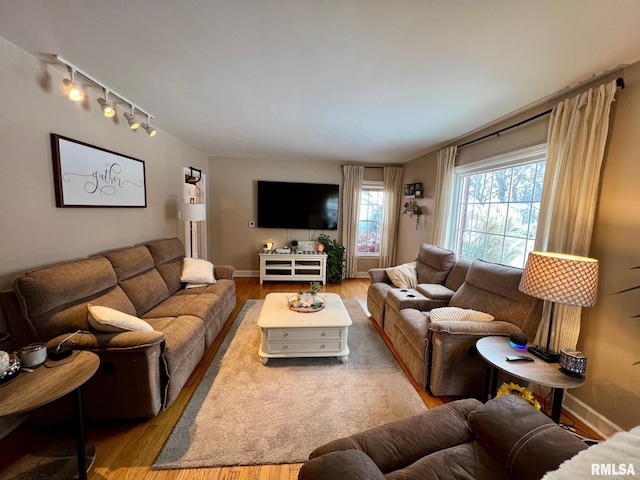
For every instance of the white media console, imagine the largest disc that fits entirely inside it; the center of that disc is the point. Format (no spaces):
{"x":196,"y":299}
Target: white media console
{"x":304,"y":267}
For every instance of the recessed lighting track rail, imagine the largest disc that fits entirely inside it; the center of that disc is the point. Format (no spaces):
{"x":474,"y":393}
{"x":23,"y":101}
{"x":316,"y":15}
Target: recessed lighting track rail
{"x":111,"y":97}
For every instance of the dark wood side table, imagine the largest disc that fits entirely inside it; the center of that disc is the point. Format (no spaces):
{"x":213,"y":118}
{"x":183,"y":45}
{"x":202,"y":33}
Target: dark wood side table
{"x":47,"y":383}
{"x":495,"y":349}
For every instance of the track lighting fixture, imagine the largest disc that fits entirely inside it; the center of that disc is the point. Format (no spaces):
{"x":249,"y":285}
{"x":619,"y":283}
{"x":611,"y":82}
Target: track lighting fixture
{"x":107,"y":107}
{"x":133,"y":123}
{"x":150,"y":130}
{"x":74,"y":92}
{"x":72,"y":89}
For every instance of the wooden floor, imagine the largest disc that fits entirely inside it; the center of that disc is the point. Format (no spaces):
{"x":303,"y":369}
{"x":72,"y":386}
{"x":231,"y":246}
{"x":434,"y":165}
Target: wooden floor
{"x":127,"y":449}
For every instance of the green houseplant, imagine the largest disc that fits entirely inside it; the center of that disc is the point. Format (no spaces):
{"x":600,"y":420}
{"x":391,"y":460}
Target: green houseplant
{"x":335,"y":258}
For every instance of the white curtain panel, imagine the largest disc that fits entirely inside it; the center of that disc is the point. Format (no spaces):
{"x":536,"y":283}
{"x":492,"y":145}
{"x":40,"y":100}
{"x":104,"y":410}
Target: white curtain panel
{"x":442,"y":202}
{"x":351,"y":190}
{"x":392,"y":177}
{"x":577,"y":138}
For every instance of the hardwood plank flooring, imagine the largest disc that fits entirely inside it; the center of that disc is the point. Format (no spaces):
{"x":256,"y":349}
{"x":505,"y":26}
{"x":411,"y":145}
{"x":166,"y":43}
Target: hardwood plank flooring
{"x":127,"y":449}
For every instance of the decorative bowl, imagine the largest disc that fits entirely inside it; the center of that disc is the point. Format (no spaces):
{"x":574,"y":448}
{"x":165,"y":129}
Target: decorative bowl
{"x":295,"y":303}
{"x":12,"y":371}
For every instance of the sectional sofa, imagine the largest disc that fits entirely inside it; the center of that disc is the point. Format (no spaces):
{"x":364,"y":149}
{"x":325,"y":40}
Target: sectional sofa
{"x":441,"y":355}
{"x":141,"y":372}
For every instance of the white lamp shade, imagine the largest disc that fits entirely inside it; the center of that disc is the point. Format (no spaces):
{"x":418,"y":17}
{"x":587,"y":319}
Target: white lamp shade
{"x":561,"y":278}
{"x":194,"y":212}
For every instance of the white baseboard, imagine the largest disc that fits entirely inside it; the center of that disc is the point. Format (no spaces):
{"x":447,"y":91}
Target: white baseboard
{"x":587,"y":415}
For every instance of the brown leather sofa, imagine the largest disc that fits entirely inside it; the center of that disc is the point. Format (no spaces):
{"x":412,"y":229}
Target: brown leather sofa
{"x":141,"y":372}
{"x":505,"y":438}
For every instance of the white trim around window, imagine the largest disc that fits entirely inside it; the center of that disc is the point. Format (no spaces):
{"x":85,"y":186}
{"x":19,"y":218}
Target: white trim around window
{"x":532,"y":154}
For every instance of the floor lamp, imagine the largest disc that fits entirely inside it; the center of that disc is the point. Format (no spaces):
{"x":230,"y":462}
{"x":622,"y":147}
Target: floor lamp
{"x":193,"y":212}
{"x":559,"y":278}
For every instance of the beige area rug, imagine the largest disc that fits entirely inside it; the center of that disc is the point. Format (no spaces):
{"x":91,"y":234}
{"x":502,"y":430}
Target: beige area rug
{"x":245,"y":413}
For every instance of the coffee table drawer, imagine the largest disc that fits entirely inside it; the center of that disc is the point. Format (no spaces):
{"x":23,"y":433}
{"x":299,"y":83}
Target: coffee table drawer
{"x":304,"y":347}
{"x":289,"y":334}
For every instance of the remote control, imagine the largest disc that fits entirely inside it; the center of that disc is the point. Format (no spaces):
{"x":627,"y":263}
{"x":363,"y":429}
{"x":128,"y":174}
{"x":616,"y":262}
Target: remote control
{"x":519,"y":358}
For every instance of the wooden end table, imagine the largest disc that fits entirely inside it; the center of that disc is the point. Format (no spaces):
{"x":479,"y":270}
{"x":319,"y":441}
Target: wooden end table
{"x":48,"y":382}
{"x":494,"y":350}
{"x":287,"y":334}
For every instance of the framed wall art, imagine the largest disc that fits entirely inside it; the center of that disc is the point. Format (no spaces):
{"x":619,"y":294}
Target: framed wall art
{"x":88,"y":176}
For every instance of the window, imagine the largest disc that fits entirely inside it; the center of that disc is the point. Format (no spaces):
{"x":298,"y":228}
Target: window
{"x":497,"y":205}
{"x":370,"y":219}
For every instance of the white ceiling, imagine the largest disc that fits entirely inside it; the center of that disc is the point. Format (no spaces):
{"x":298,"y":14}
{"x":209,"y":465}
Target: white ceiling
{"x":377,"y":81}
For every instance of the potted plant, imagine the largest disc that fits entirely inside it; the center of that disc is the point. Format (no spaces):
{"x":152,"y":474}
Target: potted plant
{"x":335,"y":258}
{"x":309,"y":298}
{"x":294,"y":245}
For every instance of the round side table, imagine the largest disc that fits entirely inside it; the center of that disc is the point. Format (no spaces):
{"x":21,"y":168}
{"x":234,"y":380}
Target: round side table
{"x":495,"y":349}
{"x":48,"y":382}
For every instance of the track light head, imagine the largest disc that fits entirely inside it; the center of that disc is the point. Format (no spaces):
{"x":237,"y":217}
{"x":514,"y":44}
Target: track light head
{"x":72,"y":89}
{"x":133,"y":123}
{"x":107,"y":106}
{"x":150,"y":130}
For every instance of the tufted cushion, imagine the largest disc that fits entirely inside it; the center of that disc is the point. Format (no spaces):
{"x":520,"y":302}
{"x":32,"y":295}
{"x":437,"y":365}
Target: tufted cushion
{"x":444,"y":314}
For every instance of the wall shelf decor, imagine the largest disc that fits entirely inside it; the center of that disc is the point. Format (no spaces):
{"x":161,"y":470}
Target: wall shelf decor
{"x":413,"y":190}
{"x":88,"y":176}
{"x":412,"y":208}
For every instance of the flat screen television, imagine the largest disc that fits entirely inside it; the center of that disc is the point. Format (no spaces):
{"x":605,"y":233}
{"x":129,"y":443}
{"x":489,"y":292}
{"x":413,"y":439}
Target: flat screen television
{"x":312,"y":206}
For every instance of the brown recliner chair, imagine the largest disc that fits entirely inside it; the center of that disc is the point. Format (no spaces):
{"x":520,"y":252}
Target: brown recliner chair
{"x":441,"y":356}
{"x":506,"y":438}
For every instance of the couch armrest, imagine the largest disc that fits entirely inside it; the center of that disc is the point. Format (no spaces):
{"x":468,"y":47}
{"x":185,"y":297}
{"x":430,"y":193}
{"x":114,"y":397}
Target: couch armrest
{"x":348,"y":464}
{"x":377,"y":275}
{"x":528,"y":447}
{"x":400,"y":443}
{"x":97,"y":341}
{"x":477,"y":329}
{"x":224,"y":271}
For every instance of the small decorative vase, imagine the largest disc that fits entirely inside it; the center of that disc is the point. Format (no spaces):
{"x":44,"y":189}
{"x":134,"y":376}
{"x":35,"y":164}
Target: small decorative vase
{"x":320,"y":247}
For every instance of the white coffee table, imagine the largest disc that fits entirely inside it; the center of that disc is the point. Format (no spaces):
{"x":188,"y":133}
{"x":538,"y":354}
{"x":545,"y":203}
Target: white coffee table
{"x":286,"y":333}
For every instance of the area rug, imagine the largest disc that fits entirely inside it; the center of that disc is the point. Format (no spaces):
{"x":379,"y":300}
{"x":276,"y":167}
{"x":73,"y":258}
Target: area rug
{"x":246,"y":413}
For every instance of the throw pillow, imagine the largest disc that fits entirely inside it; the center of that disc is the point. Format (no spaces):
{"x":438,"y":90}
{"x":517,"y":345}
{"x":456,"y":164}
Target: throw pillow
{"x":105,"y":319}
{"x":443,"y":314}
{"x":196,"y":285}
{"x":197,"y":270}
{"x":403,"y":276}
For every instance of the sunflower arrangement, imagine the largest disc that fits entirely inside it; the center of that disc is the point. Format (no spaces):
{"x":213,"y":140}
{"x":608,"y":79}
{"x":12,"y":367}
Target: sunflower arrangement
{"x":520,"y":392}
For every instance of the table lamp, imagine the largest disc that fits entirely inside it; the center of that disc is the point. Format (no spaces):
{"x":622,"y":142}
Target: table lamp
{"x":193,"y":212}
{"x":559,"y":278}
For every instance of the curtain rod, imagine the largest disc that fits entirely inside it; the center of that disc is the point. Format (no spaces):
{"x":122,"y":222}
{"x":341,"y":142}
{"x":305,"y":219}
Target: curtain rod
{"x":619,"y":83}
